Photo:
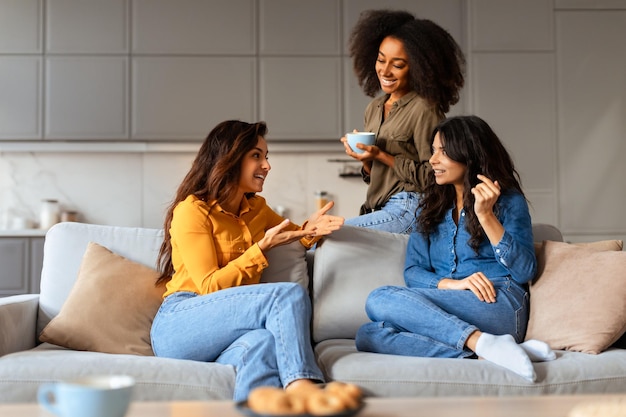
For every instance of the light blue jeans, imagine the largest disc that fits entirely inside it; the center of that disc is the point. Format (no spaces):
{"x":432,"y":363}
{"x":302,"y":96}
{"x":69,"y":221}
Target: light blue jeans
{"x":262,"y":330}
{"x":436,"y":323}
{"x":396,"y":216}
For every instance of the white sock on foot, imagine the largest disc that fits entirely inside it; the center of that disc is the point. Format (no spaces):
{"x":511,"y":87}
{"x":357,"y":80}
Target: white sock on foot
{"x":538,"y":351}
{"x":504,"y":351}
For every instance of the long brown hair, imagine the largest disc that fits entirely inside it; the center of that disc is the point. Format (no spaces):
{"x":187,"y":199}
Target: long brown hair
{"x":214,"y":175}
{"x":470,"y":141}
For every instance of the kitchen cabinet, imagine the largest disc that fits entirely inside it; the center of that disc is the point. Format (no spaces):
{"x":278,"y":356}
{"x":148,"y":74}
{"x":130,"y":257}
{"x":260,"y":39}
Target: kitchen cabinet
{"x":153,"y":70}
{"x":21,"y":259}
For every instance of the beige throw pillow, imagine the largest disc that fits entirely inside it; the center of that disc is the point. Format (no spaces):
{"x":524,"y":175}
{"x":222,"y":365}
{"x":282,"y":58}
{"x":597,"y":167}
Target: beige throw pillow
{"x":110,"y":308}
{"x":577,"y":299}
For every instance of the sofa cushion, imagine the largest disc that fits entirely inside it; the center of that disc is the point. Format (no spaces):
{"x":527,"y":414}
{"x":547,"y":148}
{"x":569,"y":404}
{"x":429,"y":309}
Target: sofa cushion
{"x":287,"y":263}
{"x":110,"y":308}
{"x":612,"y":245}
{"x":405,"y":376}
{"x":68,"y":245}
{"x":64,"y":247}
{"x":577,"y":299}
{"x":349,"y":264}
{"x":157,"y":379}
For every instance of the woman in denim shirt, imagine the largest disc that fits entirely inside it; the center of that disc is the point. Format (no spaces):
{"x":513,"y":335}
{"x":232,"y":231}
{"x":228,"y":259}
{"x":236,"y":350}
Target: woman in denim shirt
{"x":468,"y":265}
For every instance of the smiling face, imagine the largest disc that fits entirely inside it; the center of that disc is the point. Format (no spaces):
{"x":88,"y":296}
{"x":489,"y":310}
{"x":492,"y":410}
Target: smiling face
{"x":447,"y":171}
{"x":254,"y":168}
{"x":392,"y":68}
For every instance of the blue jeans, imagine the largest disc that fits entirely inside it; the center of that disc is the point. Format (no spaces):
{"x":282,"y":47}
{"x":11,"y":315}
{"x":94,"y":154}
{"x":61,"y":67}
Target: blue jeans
{"x":396,"y":216}
{"x":262,"y":330}
{"x":436,"y":323}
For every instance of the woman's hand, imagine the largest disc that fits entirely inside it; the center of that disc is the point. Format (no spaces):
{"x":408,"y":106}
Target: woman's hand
{"x":277,"y":236}
{"x":370,"y":153}
{"x":486,"y":193}
{"x":322,"y":224}
{"x":477,"y":283}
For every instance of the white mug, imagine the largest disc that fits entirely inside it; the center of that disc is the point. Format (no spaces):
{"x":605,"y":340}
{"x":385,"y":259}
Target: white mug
{"x":95,"y":396}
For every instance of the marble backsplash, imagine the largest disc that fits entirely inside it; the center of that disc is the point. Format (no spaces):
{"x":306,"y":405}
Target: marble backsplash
{"x":135,"y":188}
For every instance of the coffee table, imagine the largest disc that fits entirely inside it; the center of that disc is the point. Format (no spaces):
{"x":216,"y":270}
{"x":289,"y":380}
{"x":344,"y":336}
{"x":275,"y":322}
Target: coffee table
{"x":541,"y":406}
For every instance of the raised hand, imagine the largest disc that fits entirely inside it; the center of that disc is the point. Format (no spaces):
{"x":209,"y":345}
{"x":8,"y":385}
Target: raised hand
{"x":322,"y":224}
{"x":277,"y":236}
{"x":486,"y":193}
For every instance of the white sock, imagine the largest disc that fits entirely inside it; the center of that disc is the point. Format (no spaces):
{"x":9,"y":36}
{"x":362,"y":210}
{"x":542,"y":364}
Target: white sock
{"x":504,"y":351}
{"x":538,"y":351}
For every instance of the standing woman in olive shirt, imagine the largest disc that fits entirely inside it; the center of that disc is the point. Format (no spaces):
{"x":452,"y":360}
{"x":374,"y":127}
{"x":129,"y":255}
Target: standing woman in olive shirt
{"x":217,"y":235}
{"x":419,"y":67}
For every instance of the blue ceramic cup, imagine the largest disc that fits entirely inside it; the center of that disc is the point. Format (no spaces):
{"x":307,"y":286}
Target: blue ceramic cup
{"x":95,"y":396}
{"x":366,"y":138}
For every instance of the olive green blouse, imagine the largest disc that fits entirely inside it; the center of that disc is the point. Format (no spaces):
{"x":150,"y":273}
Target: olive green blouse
{"x":405,"y":134}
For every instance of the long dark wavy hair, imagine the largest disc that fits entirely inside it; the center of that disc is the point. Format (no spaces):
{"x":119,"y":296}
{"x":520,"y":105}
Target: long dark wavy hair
{"x":470,"y":141}
{"x":436,"y":62}
{"x":214,"y":175}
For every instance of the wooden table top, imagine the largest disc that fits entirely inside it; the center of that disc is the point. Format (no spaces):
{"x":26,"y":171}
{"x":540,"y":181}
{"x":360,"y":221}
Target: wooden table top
{"x":530,"y":406}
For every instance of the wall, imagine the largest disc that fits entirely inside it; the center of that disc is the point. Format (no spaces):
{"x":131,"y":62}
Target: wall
{"x":107,"y":100}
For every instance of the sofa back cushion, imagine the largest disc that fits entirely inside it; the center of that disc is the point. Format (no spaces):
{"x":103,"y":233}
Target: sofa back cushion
{"x":66,"y":243}
{"x":348,"y":265}
{"x":352,"y":262}
{"x":65,"y":246}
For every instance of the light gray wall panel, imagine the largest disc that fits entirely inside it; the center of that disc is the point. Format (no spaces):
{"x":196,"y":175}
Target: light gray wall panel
{"x":543,"y":205}
{"x":355,"y":100}
{"x":299,"y":28}
{"x":21,"y":26}
{"x":589,"y":4}
{"x":524,"y":118}
{"x":592,"y":120}
{"x":87,"y":26}
{"x":299,"y":97}
{"x":182,"y":98}
{"x":86,"y":97}
{"x":512,"y":25}
{"x":193,"y":27}
{"x":20,"y":101}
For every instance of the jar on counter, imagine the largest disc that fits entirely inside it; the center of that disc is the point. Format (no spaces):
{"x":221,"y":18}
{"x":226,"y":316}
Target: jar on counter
{"x":49,"y":214}
{"x":69,"y":216}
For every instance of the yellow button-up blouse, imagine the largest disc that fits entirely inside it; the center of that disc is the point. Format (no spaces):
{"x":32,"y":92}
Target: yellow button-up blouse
{"x":213,"y":249}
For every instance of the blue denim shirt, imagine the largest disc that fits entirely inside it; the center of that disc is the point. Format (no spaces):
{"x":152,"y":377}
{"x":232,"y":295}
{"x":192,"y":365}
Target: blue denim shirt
{"x":446,"y":253}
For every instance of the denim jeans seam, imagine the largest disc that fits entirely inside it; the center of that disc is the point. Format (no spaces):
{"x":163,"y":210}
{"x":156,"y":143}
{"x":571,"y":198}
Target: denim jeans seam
{"x":465,"y":332}
{"x":392,"y":329}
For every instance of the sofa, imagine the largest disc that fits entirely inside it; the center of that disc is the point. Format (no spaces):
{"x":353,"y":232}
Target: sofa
{"x":343,"y":269}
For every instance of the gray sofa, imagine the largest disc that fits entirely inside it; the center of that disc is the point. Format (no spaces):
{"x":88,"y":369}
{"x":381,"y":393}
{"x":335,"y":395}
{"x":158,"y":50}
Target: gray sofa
{"x":344,"y":269}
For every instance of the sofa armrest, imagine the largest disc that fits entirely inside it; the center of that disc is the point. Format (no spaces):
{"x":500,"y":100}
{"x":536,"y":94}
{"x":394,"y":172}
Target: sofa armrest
{"x":543,"y":231}
{"x":18,"y":323}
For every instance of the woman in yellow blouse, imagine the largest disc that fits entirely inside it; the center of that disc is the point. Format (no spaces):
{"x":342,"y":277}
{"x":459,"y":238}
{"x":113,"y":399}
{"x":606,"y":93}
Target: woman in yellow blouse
{"x":217,"y":235}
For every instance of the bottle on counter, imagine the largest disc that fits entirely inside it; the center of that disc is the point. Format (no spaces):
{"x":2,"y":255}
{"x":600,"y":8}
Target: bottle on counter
{"x":321,"y":199}
{"x":49,"y":214}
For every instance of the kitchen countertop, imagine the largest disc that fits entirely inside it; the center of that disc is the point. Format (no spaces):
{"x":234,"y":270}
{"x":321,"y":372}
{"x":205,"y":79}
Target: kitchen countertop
{"x":23,"y":232}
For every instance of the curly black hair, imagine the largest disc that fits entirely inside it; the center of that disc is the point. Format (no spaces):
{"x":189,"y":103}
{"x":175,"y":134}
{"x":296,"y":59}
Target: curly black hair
{"x":436,"y":62}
